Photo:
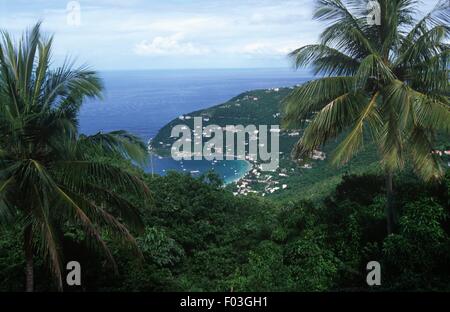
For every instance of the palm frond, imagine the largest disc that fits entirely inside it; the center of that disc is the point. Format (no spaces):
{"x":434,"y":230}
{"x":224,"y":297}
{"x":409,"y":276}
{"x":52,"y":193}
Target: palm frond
{"x":70,"y":85}
{"x":47,"y":174}
{"x":42,"y":67}
{"x":373,"y":72}
{"x":118,"y":143}
{"x":312,"y":97}
{"x":424,"y":48}
{"x":346,"y":31}
{"x":331,"y":121}
{"x":325,"y":60}
{"x":397,"y":113}
{"x":7,"y":214}
{"x":430,"y":113}
{"x":76,"y":173}
{"x":45,"y":231}
{"x":100,"y":216}
{"x":87,"y":224}
{"x":355,"y":139}
{"x":427,"y":165}
{"x":431,"y":76}
{"x":439,"y":15}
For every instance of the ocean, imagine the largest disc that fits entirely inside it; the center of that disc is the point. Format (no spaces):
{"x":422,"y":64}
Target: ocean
{"x":142,"y":102}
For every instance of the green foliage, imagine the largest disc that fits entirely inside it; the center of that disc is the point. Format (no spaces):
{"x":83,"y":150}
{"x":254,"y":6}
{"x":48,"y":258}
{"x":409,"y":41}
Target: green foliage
{"x":158,"y":248}
{"x":384,"y":84}
{"x":11,"y":261}
{"x":313,"y":266}
{"x":415,"y":256}
{"x":198,"y":237}
{"x":302,"y":246}
{"x":70,"y":191}
{"x":265,"y":270}
{"x":51,"y":176}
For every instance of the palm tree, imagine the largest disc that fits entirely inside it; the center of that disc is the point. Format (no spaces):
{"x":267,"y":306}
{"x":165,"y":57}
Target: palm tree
{"x":384,"y":83}
{"x":50,"y":175}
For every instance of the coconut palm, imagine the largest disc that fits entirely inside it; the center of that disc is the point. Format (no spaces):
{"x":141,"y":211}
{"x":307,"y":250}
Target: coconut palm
{"x":50,"y":175}
{"x":386,"y":84}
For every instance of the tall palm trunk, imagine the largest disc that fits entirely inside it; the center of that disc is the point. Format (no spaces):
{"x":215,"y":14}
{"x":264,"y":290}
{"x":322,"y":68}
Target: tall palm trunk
{"x":28,"y":248}
{"x":390,"y":205}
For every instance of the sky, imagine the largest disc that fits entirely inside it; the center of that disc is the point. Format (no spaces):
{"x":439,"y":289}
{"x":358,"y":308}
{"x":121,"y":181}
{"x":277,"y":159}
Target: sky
{"x":170,"y":34}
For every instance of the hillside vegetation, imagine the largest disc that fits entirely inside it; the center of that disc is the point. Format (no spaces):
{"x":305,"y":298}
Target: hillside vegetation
{"x":264,"y":107}
{"x":199,"y":237}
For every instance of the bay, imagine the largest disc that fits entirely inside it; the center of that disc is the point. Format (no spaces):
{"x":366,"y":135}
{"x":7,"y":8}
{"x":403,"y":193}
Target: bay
{"x":142,"y":102}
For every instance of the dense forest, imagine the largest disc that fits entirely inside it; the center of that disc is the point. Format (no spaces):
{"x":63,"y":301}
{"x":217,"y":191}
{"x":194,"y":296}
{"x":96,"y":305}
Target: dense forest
{"x":66,"y":196}
{"x":199,"y":237}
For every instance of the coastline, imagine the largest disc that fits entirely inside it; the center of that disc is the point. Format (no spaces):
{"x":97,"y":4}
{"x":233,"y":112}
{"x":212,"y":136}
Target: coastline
{"x":230,"y":171}
{"x":243,"y":174}
{"x":254,"y":107}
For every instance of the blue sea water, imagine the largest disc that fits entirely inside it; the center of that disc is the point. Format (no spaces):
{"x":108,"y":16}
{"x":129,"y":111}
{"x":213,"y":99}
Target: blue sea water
{"x":142,"y":102}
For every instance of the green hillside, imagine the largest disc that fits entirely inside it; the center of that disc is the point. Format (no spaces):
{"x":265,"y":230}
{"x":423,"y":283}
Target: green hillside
{"x":263,"y":107}
{"x":292,"y":180}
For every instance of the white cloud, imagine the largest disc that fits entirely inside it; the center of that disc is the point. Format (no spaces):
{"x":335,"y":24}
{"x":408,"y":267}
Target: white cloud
{"x":172,"y":45}
{"x":261,"y":49}
{"x":173,"y":33}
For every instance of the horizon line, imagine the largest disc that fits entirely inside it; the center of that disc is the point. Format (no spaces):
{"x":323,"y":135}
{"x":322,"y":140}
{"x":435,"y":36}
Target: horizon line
{"x":292,"y":69}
